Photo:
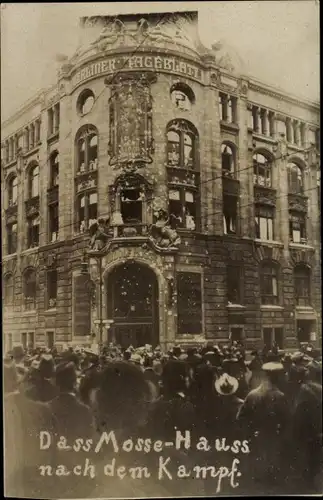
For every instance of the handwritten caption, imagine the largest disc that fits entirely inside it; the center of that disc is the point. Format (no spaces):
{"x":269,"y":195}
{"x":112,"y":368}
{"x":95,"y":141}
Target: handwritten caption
{"x":164,"y":470}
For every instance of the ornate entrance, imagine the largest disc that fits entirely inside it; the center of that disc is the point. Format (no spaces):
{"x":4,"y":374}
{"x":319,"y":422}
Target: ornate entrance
{"x":132,"y":303}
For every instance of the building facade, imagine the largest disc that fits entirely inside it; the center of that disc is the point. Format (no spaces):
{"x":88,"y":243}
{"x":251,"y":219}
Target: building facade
{"x":204,"y":183}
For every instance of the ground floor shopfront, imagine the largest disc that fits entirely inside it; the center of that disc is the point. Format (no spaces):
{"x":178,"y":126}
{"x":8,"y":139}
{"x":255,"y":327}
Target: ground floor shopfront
{"x":132,"y":294}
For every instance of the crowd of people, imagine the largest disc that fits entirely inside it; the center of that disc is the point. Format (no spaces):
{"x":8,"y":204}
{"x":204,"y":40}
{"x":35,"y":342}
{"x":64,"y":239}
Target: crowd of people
{"x":272,"y":402}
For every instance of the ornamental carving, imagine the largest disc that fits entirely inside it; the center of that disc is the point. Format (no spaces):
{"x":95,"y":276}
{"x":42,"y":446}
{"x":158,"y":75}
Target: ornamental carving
{"x":50,"y":260}
{"x":301,"y":256}
{"x":265,"y":196}
{"x":297,"y":203}
{"x":11,"y":214}
{"x":32,"y":206}
{"x":130,"y":113}
{"x":89,"y":182}
{"x":163,"y":232}
{"x":99,"y":233}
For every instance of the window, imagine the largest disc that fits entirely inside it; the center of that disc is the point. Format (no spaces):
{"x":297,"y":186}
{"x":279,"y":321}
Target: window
{"x":9,"y":290}
{"x":302,"y":278}
{"x":261,"y":170}
{"x":131,"y":204}
{"x":264,"y":221}
{"x":85,"y":102}
{"x":33,"y":182}
{"x":234,"y":278}
{"x":30,"y":340}
{"x":54,"y":169}
{"x":53,"y":221}
{"x":230,"y":213}
{"x":236,"y":334}
{"x":12,"y":238}
{"x":182,"y":145}
{"x":29,"y":289}
{"x":9,"y":344}
{"x":50,"y":114}
{"x":33,"y":231}
{"x":182,"y":204}
{"x":87,"y":210}
{"x":297,"y":228}
{"x":269,"y":284}
{"x":13,"y":191}
{"x":50,"y":339}
{"x":24,"y":340}
{"x":87,"y":149}
{"x":271,"y":335}
{"x":189,"y":303}
{"x":51,"y":288}
{"x":295,"y":179}
{"x":182,"y":96}
{"x":228,"y":160}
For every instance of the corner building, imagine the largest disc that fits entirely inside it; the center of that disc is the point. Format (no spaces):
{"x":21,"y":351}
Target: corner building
{"x":145,"y":121}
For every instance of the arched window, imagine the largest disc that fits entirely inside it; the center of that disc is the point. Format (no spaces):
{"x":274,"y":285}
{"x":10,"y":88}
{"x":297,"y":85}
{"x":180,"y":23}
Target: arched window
{"x":13,"y":190}
{"x":182,"y":145}
{"x":86,"y":149}
{"x":87,"y":210}
{"x":269,"y":283}
{"x":302,"y":280}
{"x":9,"y":293}
{"x":262,"y":170}
{"x":228,"y":160}
{"x":295,"y":179}
{"x":12,"y":238}
{"x":29,"y":289}
{"x":85,"y":102}
{"x":33,"y":181}
{"x":54,"y":169}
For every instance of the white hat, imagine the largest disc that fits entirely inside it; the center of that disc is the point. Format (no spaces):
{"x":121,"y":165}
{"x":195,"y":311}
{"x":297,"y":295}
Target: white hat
{"x":226,"y":385}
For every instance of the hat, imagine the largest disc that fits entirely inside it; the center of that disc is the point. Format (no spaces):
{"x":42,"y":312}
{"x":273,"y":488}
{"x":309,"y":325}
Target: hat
{"x":46,"y":365}
{"x":226,"y":385}
{"x":65,"y":375}
{"x":272,"y":367}
{"x":18,"y":352}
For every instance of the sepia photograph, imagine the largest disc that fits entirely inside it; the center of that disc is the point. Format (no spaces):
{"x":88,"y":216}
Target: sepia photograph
{"x":161,"y":249}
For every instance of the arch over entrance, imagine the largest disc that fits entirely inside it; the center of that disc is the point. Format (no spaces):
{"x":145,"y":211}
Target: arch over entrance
{"x":132,"y":303}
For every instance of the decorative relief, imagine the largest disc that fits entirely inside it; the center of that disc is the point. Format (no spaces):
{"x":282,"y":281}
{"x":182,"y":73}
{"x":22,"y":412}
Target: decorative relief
{"x":268,"y":252}
{"x":131,"y":138}
{"x":32,"y":206}
{"x":265,"y":196}
{"x":297,"y":203}
{"x":11,"y":214}
{"x":88,"y":182}
{"x":9,"y":266}
{"x":163,"y":234}
{"x":301,"y":256}
{"x":50,"y":260}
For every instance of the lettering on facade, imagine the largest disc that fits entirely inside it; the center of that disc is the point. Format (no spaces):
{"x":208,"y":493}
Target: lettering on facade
{"x":158,"y":63}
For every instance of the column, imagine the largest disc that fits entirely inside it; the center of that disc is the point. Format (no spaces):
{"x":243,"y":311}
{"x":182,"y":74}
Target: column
{"x":225,"y":103}
{"x":37,"y":131}
{"x":16,"y":144}
{"x":26,"y":139}
{"x":250,"y":116}
{"x":11,"y":149}
{"x":31,"y":136}
{"x":271,"y":123}
{"x":256,"y":119}
{"x":56,"y":118}
{"x":7,"y":152}
{"x":289,"y":130}
{"x":50,"y":121}
{"x":264,"y":122}
{"x":297,"y":137}
{"x":303,"y":134}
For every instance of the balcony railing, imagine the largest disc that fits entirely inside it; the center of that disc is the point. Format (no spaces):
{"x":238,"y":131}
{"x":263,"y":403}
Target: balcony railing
{"x":131,"y":230}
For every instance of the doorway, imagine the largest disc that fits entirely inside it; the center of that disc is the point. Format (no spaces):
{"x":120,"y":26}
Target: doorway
{"x":132,"y":304}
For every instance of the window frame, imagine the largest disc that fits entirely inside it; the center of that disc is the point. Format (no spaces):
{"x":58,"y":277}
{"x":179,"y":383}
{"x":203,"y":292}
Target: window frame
{"x":33,"y":180}
{"x":266,"y":213}
{"x":32,"y":241}
{"x":12,"y":238}
{"x":295,"y":178}
{"x":183,"y":202}
{"x":11,"y":201}
{"x":235,"y":221}
{"x":86,"y":195}
{"x":54,"y":165}
{"x":303,"y":299}
{"x":183,"y":128}
{"x":50,"y":287}
{"x":267,"y":166}
{"x":232,"y":171}
{"x":187,"y":310}
{"x":273,"y":338}
{"x":29,"y":301}
{"x":269,"y":270}
{"x":84,"y":136}
{"x":237,"y":270}
{"x":11,"y":296}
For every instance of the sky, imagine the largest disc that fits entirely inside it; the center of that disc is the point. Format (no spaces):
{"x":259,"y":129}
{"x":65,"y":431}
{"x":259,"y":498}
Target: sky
{"x":278,"y":41}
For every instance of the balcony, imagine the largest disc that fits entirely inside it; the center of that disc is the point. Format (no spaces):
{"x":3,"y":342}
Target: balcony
{"x":264,"y":195}
{"x":52,"y":194}
{"x":230,"y":185}
{"x":32,"y":206}
{"x":11,"y":214}
{"x":297,"y":202}
{"x":131,"y":231}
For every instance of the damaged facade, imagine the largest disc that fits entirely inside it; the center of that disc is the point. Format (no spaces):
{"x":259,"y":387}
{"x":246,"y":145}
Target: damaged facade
{"x":156,"y":189}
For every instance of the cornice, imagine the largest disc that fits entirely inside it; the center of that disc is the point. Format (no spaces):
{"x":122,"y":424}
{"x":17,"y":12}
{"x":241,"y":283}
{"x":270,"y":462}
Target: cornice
{"x":280,"y":94}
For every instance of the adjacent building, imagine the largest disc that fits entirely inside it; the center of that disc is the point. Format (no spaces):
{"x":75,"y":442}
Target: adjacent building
{"x":204,"y":183}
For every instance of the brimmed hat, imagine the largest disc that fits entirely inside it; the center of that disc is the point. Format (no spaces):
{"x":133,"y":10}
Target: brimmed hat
{"x":226,"y":385}
{"x":272,"y":366}
{"x":18,"y":352}
{"x":46,"y":366}
{"x":65,"y":374}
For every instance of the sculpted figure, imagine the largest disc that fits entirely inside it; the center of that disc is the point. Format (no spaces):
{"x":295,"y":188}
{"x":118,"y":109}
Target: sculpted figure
{"x":163,"y":231}
{"x":99,"y":233}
